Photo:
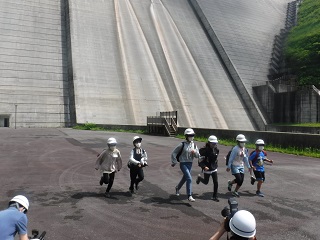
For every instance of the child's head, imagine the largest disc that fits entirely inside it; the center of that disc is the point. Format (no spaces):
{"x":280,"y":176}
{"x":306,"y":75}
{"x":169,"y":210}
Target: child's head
{"x":259,"y":144}
{"x":213,"y":141}
{"x":112,"y":142}
{"x":241,"y":140}
{"x":137,"y":141}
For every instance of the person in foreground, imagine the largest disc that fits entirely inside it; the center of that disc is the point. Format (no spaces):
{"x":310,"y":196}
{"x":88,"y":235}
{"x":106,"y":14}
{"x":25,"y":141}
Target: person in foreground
{"x":14,"y":220}
{"x":242,"y":226}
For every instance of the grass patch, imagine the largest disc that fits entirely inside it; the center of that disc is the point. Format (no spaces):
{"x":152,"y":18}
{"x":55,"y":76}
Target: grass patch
{"x":317,"y":124}
{"x":308,"y":152}
{"x":94,"y":127}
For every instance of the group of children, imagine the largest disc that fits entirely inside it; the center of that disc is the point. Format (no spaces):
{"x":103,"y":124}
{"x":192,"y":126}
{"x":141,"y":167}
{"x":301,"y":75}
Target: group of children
{"x":186,"y":151}
{"x":109,"y":162}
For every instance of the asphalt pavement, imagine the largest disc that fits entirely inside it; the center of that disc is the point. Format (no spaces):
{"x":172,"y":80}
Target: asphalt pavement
{"x":54,"y":168}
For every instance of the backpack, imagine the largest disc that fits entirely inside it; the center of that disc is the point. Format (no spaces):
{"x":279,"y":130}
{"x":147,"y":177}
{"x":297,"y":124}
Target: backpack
{"x":257,"y":155}
{"x":179,"y":153}
{"x":228,"y":156}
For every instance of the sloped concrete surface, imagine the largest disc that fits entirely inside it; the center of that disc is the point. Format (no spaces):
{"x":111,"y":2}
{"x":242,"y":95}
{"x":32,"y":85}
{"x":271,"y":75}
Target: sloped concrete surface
{"x":129,"y":59}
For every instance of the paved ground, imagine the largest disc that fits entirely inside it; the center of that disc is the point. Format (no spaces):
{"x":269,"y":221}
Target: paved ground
{"x":55,"y":169}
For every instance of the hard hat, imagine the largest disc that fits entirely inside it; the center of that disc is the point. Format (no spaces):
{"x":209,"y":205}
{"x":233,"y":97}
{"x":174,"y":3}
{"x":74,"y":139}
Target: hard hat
{"x":259,"y":142}
{"x":136,"y":138}
{"x":112,"y":141}
{"x":213,"y":139}
{"x":189,"y":131}
{"x":241,"y":138}
{"x":243,"y":224}
{"x":22,"y":200}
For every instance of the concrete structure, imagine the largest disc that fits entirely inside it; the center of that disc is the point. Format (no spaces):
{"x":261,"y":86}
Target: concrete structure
{"x":117,"y":62}
{"x":33,"y":85}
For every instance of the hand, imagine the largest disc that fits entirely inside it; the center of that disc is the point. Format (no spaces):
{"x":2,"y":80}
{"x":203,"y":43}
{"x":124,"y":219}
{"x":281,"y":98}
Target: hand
{"x":173,"y":164}
{"x":228,"y":169}
{"x":139,"y":165}
{"x":206,"y":168}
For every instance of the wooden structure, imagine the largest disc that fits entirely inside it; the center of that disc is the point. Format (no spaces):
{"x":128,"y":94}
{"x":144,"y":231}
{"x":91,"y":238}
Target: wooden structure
{"x":164,"y":124}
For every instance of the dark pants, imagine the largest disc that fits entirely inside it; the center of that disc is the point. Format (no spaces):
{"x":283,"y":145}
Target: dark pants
{"x":134,"y":173}
{"x":239,"y":178}
{"x":206,"y":178}
{"x":108,"y":178}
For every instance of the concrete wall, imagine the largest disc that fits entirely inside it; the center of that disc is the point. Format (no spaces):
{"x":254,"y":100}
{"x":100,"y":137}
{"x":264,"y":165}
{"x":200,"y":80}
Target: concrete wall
{"x":285,"y":105}
{"x":33,"y":64}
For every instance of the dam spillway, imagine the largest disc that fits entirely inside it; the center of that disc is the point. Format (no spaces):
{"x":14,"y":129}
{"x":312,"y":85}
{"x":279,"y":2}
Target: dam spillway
{"x":117,"y":62}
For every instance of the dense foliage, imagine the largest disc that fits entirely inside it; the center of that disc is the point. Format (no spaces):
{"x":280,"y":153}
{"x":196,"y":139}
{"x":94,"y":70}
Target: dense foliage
{"x":303,"y":44}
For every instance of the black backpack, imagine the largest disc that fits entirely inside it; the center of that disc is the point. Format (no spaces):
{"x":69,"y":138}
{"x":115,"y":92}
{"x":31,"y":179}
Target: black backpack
{"x":228,"y":156}
{"x":179,"y":153}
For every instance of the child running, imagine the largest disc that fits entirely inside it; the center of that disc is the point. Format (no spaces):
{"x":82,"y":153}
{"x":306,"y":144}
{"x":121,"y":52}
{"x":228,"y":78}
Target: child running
{"x":209,"y":164}
{"x":256,"y":160}
{"x":109,"y":162}
{"x":137,"y":160}
{"x":238,"y":156}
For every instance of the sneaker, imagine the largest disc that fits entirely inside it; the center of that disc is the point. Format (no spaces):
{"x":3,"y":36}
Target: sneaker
{"x":131,"y":190}
{"x":229,"y":185}
{"x":177,"y":192}
{"x":260,"y":194}
{"x":252,"y":180}
{"x":191,"y":199}
{"x":101,"y":181}
{"x":198,"y":179}
{"x":236,"y":194}
{"x":107,"y":195}
{"x":214,"y":198}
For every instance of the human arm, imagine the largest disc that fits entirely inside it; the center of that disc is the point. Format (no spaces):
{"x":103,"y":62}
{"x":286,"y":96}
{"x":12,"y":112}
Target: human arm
{"x":144,"y":158}
{"x":23,"y":237}
{"x":131,"y":158}
{"x":219,"y":232}
{"x":233,"y":155}
{"x":99,"y":159}
{"x":251,"y":159}
{"x":119,"y":161}
{"x":175,"y":153}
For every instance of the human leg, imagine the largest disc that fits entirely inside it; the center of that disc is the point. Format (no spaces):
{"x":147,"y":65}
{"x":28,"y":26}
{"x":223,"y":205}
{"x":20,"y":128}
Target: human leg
{"x":215,"y":186}
{"x":140,"y":175}
{"x":105,"y":178}
{"x":204,"y":180}
{"x":111,"y":180}
{"x":260,"y":179}
{"x":133,"y":176}
{"x":186,"y":170}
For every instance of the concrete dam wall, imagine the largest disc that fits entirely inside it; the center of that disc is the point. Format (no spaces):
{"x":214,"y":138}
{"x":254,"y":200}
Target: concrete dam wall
{"x":119,"y":61}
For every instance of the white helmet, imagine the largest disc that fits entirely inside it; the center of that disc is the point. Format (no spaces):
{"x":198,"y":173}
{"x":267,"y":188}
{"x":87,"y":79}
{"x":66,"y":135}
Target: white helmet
{"x":213,"y":139}
{"x":136,"y":138}
{"x":112,"y":141}
{"x":189,"y":131}
{"x":241,"y":138}
{"x":22,"y":200}
{"x":243,"y":224}
{"x":259,"y":142}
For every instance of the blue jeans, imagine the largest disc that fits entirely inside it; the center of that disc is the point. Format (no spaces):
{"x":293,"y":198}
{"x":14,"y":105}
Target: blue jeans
{"x":186,"y":170}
